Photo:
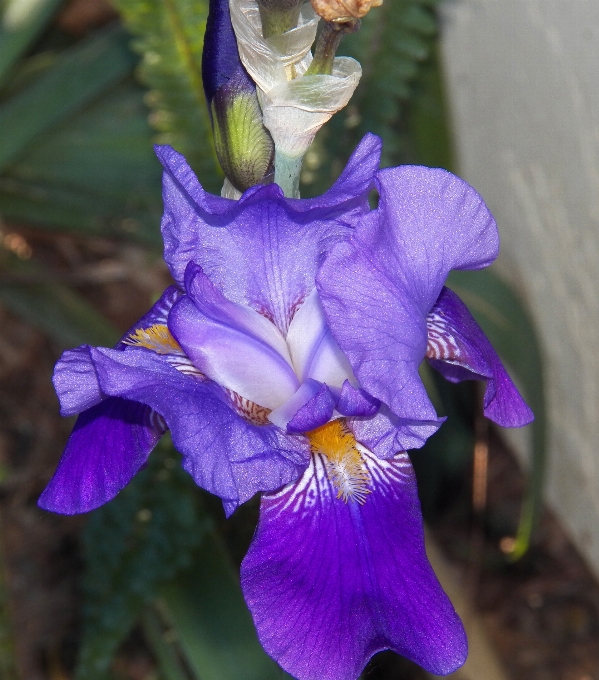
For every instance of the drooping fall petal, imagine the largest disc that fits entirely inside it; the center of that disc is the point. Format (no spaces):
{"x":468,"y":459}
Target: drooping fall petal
{"x":330,"y":583}
{"x":109,"y":444}
{"x":459,"y":350}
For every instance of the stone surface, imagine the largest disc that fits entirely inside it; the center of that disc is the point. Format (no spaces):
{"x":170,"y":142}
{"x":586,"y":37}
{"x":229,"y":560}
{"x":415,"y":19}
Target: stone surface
{"x":524,"y":95}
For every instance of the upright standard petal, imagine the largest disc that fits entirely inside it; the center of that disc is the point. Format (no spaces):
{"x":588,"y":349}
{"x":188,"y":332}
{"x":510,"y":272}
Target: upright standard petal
{"x":263,"y":250}
{"x":459,"y":350}
{"x":109,"y":444}
{"x":330,"y":583}
{"x":378,"y":286}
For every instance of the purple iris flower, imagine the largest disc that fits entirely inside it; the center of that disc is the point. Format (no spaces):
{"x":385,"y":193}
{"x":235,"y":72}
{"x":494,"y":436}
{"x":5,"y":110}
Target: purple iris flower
{"x":284,"y":360}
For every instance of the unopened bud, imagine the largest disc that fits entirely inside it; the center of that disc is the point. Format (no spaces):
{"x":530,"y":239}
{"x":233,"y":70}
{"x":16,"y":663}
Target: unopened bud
{"x":243,"y":145}
{"x":343,"y":10}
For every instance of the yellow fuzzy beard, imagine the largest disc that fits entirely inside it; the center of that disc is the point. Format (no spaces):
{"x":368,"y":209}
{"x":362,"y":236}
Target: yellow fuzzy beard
{"x":344,"y":463}
{"x":157,"y":338}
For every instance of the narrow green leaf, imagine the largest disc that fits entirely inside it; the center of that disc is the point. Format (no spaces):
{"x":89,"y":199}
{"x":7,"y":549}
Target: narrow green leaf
{"x":205,"y":607}
{"x":170,"y":35}
{"x":21,"y":21}
{"x":510,"y":329}
{"x":132,"y":545}
{"x":163,"y":646}
{"x":81,"y":74}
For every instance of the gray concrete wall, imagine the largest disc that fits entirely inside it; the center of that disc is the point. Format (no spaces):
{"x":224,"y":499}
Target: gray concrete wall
{"x":523,"y":84}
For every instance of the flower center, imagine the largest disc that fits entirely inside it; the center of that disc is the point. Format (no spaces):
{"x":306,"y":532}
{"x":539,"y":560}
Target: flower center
{"x":344,"y":463}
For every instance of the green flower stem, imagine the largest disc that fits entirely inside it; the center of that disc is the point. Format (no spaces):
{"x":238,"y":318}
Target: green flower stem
{"x":278,"y":16}
{"x":327,"y":44}
{"x":287,"y":173}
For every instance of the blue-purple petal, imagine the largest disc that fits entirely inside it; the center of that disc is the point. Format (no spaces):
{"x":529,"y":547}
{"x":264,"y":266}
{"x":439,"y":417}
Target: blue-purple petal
{"x":75,"y":379}
{"x":314,"y":413}
{"x":225,"y":454}
{"x":263,"y":250}
{"x":331,"y":583}
{"x":158,"y":313}
{"x":109,"y":444}
{"x":378,"y":286}
{"x":353,"y":185}
{"x":76,"y":382}
{"x":386,"y":434}
{"x":356,"y":401}
{"x":459,"y":350}
{"x":232,"y":344}
{"x":112,"y":437}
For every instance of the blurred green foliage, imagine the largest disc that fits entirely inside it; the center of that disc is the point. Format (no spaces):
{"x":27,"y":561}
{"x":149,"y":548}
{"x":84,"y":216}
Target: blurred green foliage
{"x":133,"y":546}
{"x":169,"y":38}
{"x":79,"y":155}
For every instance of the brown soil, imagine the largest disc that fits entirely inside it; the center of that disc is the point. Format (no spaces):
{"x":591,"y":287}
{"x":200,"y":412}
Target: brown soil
{"x":542,"y":613}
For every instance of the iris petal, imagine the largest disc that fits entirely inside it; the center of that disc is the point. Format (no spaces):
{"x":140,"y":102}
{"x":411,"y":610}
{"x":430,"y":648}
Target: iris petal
{"x":331,"y":583}
{"x":225,"y":454}
{"x":284,"y":413}
{"x":231,"y":344}
{"x":75,"y":379}
{"x":112,"y":437}
{"x":313,"y":413}
{"x":385,"y":433}
{"x":76,"y":382}
{"x":261,"y":251}
{"x":459,"y":350}
{"x":109,"y":444}
{"x":356,"y":402}
{"x":213,"y":304}
{"x":377,"y":287}
{"x":314,"y":351}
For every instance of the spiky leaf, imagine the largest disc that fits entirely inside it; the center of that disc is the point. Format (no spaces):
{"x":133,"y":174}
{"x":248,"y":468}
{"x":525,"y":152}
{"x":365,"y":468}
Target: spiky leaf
{"x":169,"y":36}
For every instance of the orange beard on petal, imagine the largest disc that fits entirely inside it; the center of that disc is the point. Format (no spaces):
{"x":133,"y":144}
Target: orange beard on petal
{"x":344,"y":463}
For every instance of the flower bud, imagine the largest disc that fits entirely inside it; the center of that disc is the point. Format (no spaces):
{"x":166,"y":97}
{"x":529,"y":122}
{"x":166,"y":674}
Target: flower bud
{"x":343,"y":10}
{"x":243,"y":145}
{"x":294,"y":105}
